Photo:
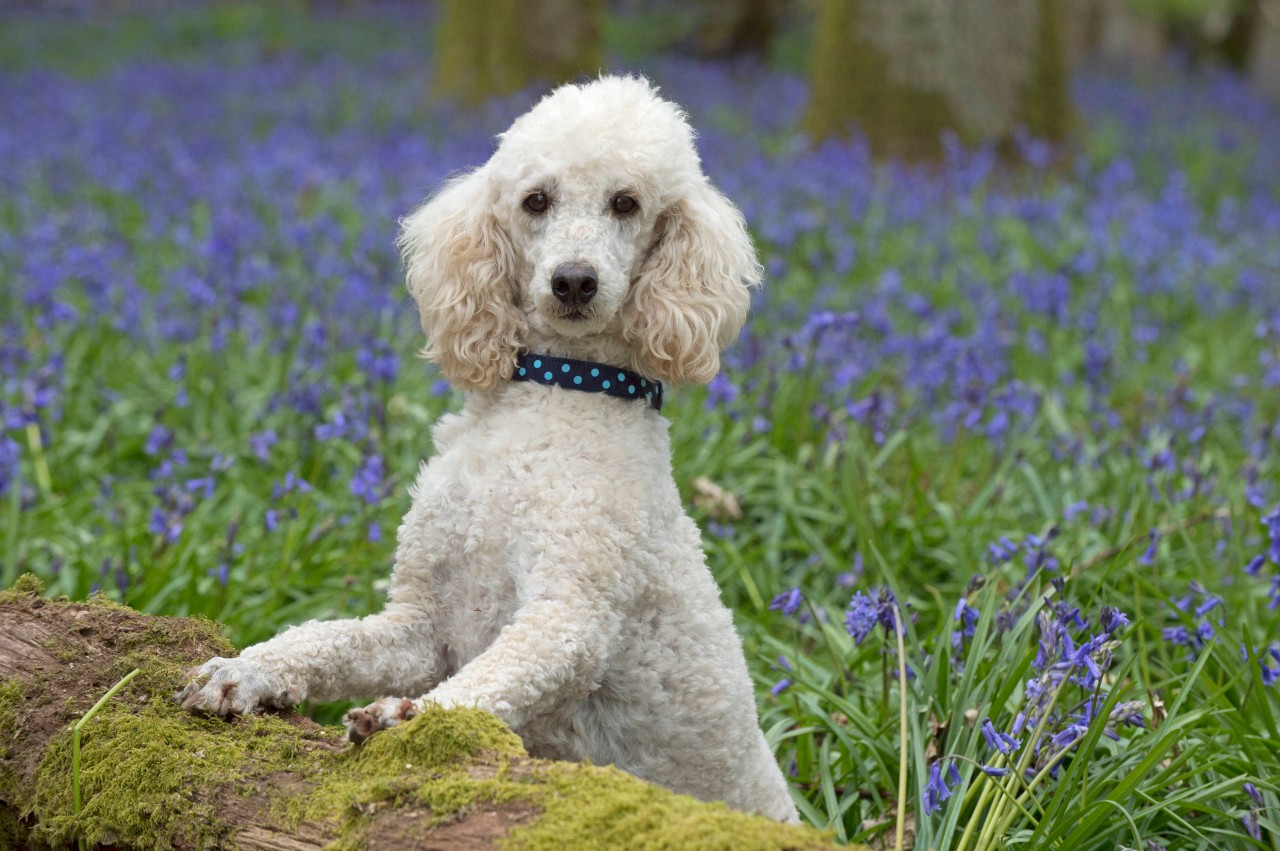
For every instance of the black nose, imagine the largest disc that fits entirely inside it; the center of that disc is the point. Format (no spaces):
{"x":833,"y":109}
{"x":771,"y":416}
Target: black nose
{"x":574,"y":283}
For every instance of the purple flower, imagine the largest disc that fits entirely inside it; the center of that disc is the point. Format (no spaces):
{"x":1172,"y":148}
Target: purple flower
{"x":1272,"y":522}
{"x":1074,"y":509}
{"x":1112,"y":619}
{"x":158,"y":440}
{"x":781,"y":686}
{"x":861,"y":616}
{"x":997,"y":740}
{"x":935,"y":790}
{"x":367,"y":483}
{"x":865,"y":612}
{"x":1254,"y":794}
{"x":10,"y":455}
{"x":1254,"y":567}
{"x":788,"y":602}
{"x":261,"y":442}
{"x":1149,"y":555}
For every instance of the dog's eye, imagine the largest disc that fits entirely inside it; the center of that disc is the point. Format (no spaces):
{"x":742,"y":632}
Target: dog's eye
{"x":624,"y":205}
{"x":536,"y":203}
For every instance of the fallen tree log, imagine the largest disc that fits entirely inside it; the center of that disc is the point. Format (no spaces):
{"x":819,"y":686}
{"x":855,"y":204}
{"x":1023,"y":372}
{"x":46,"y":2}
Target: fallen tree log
{"x":154,"y":777}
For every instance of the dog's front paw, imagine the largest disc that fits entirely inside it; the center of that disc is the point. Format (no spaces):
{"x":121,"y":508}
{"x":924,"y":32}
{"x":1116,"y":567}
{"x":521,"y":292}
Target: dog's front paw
{"x":379,"y":715}
{"x":234,"y":687}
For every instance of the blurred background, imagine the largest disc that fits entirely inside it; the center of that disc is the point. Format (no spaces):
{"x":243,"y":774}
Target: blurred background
{"x":900,"y":73}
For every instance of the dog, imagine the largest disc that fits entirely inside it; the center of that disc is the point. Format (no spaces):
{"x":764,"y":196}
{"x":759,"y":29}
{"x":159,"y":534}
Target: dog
{"x":547,"y":571}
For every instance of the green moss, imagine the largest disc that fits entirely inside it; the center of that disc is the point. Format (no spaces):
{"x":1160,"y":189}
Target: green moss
{"x":12,"y":832}
{"x":424,"y":761}
{"x":10,"y":698}
{"x":589,"y":807}
{"x":436,"y":739}
{"x":27,"y":585}
{"x":140,"y":772}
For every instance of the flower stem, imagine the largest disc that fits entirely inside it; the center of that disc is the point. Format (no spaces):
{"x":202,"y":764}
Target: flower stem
{"x":75,"y":741}
{"x":901,"y":832}
{"x":42,"y":465}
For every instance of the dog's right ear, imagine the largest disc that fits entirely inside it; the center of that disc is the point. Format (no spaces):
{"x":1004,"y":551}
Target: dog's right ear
{"x":461,"y":270}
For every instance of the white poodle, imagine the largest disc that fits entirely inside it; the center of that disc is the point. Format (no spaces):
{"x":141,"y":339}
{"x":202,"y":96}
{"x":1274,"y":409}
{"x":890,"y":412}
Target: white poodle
{"x":546,"y":571}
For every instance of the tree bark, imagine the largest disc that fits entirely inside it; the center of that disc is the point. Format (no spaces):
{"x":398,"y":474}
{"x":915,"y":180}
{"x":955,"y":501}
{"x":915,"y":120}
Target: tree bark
{"x":153,"y":776}
{"x":1264,"y":57}
{"x":495,"y":47}
{"x":905,"y":72}
{"x":734,"y":28}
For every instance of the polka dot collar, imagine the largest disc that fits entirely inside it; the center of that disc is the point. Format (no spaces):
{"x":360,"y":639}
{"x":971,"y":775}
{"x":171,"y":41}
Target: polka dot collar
{"x":590,"y":377}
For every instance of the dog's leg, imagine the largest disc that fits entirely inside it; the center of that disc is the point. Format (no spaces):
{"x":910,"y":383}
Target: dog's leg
{"x":321,"y":660}
{"x":557,"y":646}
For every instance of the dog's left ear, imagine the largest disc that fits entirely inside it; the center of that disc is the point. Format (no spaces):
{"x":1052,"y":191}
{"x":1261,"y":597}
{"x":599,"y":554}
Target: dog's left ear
{"x":693,"y":291}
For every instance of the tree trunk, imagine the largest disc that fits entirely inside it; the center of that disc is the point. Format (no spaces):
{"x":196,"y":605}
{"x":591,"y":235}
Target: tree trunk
{"x":733,"y":28}
{"x":494,"y":47}
{"x":154,"y":777}
{"x":1264,"y":57}
{"x":1130,"y":41}
{"x":905,"y":72}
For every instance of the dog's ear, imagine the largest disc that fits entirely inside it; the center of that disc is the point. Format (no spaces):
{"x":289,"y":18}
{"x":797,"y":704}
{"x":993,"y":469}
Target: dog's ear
{"x":461,"y":270}
{"x":693,"y":291}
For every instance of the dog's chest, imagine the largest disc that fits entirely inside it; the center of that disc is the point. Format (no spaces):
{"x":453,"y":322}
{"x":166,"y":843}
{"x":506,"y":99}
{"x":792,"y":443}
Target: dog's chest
{"x":462,"y":515}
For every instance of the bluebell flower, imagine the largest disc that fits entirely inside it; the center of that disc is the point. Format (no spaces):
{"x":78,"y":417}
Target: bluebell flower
{"x":788,"y":602}
{"x":935,"y":790}
{"x":1149,"y":555}
{"x":1253,"y":793}
{"x":367,"y":482}
{"x":861,"y":616}
{"x":865,"y":612}
{"x":1272,"y":522}
{"x":260,"y":443}
{"x":1113,"y":619}
{"x":997,"y":740}
{"x":158,"y":440}
{"x":10,"y":456}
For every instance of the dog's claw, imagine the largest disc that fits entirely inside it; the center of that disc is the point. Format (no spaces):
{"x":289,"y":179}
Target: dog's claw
{"x":233,"y":687}
{"x":363,"y":722}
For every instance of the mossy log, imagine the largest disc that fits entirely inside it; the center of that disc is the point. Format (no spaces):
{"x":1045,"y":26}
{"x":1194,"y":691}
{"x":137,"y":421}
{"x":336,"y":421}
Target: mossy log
{"x":152,"y":776}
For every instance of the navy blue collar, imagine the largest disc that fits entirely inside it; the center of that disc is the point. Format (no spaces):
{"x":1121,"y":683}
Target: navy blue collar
{"x":587,"y":376}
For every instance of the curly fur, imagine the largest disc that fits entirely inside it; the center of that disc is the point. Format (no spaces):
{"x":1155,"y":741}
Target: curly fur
{"x":546,"y":570}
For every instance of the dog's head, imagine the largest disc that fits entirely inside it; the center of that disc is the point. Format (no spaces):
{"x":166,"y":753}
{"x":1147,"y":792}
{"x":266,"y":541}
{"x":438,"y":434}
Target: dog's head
{"x":591,"y":230}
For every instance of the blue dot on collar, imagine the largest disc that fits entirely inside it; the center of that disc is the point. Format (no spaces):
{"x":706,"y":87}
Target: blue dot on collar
{"x":605,"y":384}
{"x":577,"y":379}
{"x":537,"y":364}
{"x":564,"y":368}
{"x":547,"y":376}
{"x":595,"y":373}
